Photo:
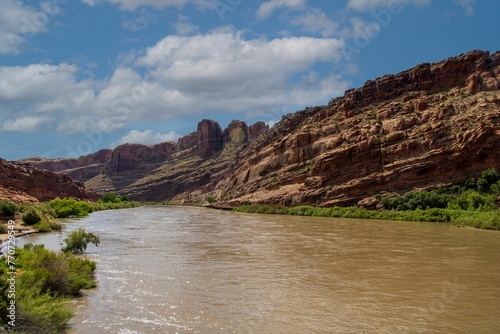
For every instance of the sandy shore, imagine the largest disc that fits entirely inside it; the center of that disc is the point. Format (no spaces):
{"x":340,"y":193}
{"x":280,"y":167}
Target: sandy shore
{"x":19,"y":228}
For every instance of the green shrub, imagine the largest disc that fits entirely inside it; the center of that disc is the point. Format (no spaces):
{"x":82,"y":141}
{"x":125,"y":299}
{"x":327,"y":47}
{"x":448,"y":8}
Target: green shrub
{"x":43,"y":226}
{"x":495,"y":188}
{"x":48,"y":226}
{"x":100,"y":205}
{"x":80,"y":274}
{"x":488,"y":178}
{"x":211,"y":200}
{"x":3,"y":229}
{"x":43,"y":282}
{"x":7,"y":208}
{"x":278,"y":210}
{"x":55,"y":225}
{"x":417,"y":200}
{"x":110,"y":198}
{"x":50,"y":272}
{"x":472,"y":200}
{"x":41,"y":313}
{"x":77,"y":241}
{"x":31,"y":216}
{"x":71,"y":207}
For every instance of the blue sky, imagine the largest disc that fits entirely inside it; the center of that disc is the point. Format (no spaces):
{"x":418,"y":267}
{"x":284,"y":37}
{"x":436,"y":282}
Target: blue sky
{"x":77,"y":76}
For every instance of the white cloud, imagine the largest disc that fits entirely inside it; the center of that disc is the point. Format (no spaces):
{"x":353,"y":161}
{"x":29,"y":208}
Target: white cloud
{"x":19,"y":22}
{"x":25,"y":124}
{"x":267,"y":8}
{"x":366,"y":5}
{"x":146,"y":137}
{"x":184,"y":27}
{"x":223,"y":71}
{"x":159,"y":4}
{"x":224,"y":51}
{"x":219,"y":72}
{"x":468,"y":5}
{"x":40,"y":84}
{"x":140,"y":22}
{"x":316,"y":21}
{"x":361,"y":31}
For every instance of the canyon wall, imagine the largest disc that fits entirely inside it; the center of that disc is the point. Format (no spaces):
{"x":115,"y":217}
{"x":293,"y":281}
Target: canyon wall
{"x":433,"y":125}
{"x":25,"y":183}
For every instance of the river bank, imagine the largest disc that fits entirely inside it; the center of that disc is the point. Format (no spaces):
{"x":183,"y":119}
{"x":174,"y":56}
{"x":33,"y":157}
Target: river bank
{"x":489,"y":220}
{"x":45,"y":216}
{"x":20,"y":229}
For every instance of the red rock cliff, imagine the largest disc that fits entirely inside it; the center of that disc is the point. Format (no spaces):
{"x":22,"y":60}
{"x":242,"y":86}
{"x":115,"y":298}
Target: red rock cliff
{"x":432,"y":125}
{"x":82,"y":169}
{"x":202,"y":158}
{"x":25,"y":183}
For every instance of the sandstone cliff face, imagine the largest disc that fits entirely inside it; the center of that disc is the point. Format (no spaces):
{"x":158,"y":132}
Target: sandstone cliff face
{"x":256,"y":130}
{"x":128,"y":163}
{"x":429,"y":126}
{"x":136,"y":157}
{"x":110,"y":170}
{"x":206,"y":141}
{"x":25,"y":183}
{"x":240,"y":132}
{"x":161,"y":171}
{"x":236,"y":131}
{"x":202,"y":158}
{"x":82,"y":169}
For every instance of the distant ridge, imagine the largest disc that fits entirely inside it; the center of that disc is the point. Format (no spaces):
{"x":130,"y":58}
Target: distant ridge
{"x":24,"y":183}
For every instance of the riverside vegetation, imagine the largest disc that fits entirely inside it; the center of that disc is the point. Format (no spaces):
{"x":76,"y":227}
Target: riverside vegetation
{"x":46,"y":280}
{"x":42,"y":216}
{"x":44,"y":283}
{"x":473,"y":203}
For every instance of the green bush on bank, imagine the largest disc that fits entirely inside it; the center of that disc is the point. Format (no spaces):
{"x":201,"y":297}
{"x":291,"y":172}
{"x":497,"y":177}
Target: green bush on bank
{"x":44,"y":281}
{"x":488,"y":182}
{"x":417,"y":200}
{"x":473,"y":195}
{"x":68,"y":207}
{"x":478,"y":219}
{"x":48,"y":226}
{"x":100,"y":205}
{"x":31,"y":216}
{"x":111,"y":197}
{"x":7,"y":208}
{"x":41,"y":215}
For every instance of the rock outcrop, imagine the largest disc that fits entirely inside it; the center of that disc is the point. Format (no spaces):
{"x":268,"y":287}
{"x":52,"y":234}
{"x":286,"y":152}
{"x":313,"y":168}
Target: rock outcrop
{"x":257,"y":129}
{"x":202,"y":159}
{"x":25,"y":183}
{"x":82,"y":169}
{"x":205,"y":142}
{"x":128,"y":163}
{"x":146,"y":172}
{"x":136,"y":158}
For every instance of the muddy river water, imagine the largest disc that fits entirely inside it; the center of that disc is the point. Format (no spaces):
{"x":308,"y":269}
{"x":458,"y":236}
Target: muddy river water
{"x":195,"y":270}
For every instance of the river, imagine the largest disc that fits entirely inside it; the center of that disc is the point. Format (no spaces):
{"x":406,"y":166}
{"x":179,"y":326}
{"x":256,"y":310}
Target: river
{"x":194,"y":270}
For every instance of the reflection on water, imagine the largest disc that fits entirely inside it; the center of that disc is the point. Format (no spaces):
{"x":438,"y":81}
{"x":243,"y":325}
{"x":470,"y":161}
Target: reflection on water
{"x":194,"y":270}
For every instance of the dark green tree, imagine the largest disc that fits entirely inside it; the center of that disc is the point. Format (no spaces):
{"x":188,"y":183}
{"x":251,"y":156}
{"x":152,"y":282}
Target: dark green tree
{"x":110,"y":197}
